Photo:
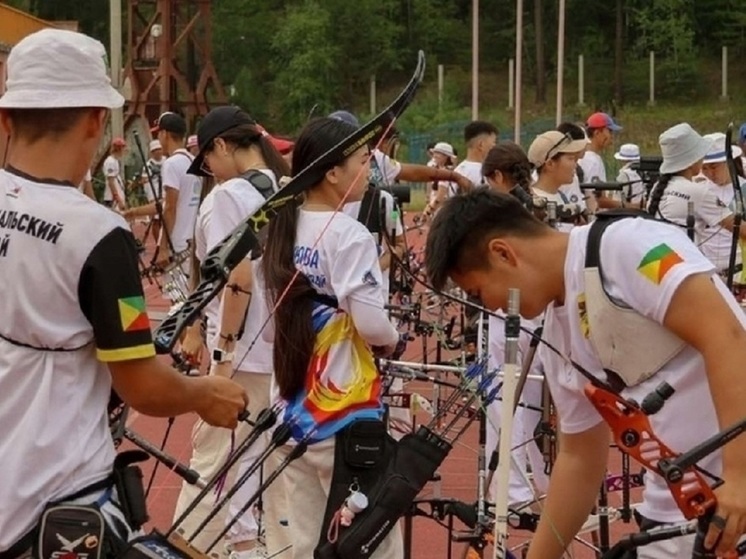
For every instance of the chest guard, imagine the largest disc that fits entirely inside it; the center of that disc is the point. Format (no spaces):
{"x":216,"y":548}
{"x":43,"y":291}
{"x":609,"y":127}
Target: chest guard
{"x":631,"y":347}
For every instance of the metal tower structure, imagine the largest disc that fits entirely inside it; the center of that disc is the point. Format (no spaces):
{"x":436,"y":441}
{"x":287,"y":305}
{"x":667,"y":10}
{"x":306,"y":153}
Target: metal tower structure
{"x":169,"y":60}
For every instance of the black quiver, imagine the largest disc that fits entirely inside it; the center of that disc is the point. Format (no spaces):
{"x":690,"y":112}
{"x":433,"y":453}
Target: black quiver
{"x":414,"y":460}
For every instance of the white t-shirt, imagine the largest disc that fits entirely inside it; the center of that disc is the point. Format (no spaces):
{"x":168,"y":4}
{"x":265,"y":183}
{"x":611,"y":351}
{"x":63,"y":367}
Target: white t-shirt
{"x":628,"y":255}
{"x":392,"y":222}
{"x":155,"y":175}
{"x":633,"y":193}
{"x":452,"y":188}
{"x":709,"y":211}
{"x":716,"y":246}
{"x":593,"y":167}
{"x":472,"y":170}
{"x":72,"y":301}
{"x":573,"y":194}
{"x":112,"y":169}
{"x":432,"y":187}
{"x":174,"y":175}
{"x":234,"y":201}
{"x":383,"y":170}
{"x":339,"y":257}
{"x":201,"y":227}
{"x":557,"y":197}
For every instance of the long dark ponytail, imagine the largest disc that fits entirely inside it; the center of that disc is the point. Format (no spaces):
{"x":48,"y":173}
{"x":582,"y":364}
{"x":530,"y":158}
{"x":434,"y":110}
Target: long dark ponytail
{"x":294,"y":333}
{"x":656,"y":195}
{"x":246,"y":135}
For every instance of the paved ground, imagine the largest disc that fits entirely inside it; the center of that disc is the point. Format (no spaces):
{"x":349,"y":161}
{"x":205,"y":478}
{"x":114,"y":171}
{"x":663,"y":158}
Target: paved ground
{"x":429,"y":539}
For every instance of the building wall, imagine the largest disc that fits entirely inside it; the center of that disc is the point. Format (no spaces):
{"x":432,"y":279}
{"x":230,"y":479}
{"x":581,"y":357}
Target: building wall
{"x":16,"y":24}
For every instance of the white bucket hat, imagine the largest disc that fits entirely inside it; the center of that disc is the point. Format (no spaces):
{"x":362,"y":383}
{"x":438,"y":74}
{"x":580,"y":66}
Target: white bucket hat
{"x":154,"y":145}
{"x":681,"y":147}
{"x":444,"y":148}
{"x":717,"y":151}
{"x":56,"y":69}
{"x":628,"y":152}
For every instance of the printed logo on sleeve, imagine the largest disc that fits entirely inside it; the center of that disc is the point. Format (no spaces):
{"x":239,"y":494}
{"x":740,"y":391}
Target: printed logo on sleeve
{"x":370,"y":279}
{"x":657,"y":262}
{"x":132,"y":314}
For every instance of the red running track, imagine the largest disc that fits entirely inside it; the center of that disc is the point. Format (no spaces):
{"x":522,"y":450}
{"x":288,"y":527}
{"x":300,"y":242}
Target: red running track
{"x":429,"y":540}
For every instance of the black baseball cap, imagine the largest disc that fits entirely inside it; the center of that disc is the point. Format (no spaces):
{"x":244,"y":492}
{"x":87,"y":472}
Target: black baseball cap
{"x":171,"y":122}
{"x":216,"y":122}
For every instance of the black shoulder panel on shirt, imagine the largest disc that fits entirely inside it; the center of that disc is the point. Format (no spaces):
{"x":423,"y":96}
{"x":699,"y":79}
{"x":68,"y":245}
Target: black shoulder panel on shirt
{"x":111,"y":296}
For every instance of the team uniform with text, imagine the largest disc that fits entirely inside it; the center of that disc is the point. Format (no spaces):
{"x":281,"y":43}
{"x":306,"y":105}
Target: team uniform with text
{"x":709,"y":210}
{"x":72,"y":302}
{"x":338,"y":256}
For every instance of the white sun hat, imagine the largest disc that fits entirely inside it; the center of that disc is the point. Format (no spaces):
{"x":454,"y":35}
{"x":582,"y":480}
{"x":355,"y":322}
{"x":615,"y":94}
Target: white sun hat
{"x":154,"y":145}
{"x":56,"y":69}
{"x":444,"y":148}
{"x":628,"y":152}
{"x":717,"y":151}
{"x":682,"y":147}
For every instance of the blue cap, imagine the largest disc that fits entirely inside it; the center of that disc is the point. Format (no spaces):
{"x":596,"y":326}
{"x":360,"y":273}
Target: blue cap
{"x":346,"y":116}
{"x":742,"y":134}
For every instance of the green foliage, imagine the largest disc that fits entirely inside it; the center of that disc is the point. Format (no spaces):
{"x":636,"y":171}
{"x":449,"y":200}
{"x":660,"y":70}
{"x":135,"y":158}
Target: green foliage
{"x":303,"y":62}
{"x":280,"y":58}
{"x":721,"y":22}
{"x":666,"y":27}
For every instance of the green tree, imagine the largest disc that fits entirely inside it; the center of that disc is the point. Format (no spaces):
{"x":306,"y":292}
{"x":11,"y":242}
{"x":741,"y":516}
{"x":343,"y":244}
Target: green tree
{"x":368,"y":32}
{"x":720,"y":23}
{"x":434,"y":26}
{"x":304,"y":62}
{"x":243,"y":31}
{"x":667,"y":28}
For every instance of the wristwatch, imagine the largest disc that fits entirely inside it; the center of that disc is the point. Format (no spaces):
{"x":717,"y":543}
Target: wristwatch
{"x":221,"y":356}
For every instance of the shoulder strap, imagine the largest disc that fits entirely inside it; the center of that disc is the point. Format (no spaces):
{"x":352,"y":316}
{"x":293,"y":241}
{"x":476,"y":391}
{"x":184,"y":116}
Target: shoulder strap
{"x":370,"y":210}
{"x":580,"y":172}
{"x":603,"y":220}
{"x":185,"y":153}
{"x":260,"y":181}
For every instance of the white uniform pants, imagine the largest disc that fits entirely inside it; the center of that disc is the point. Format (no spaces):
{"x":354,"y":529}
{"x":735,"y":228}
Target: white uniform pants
{"x":211,"y":446}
